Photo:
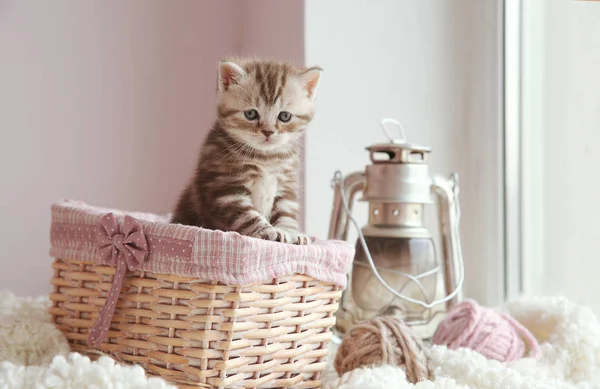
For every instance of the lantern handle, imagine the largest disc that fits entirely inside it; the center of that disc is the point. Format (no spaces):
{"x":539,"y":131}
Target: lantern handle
{"x":454,"y":214}
{"x":399,"y":128}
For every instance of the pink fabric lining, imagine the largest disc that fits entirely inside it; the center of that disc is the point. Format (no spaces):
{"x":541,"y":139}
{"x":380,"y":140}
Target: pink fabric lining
{"x":189,"y":251}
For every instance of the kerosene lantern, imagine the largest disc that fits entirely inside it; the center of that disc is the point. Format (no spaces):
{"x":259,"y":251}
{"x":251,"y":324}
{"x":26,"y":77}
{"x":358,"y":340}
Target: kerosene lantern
{"x":396,"y":269}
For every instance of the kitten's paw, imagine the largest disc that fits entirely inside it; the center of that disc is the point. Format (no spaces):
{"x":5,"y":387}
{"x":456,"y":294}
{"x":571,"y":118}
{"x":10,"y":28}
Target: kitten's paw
{"x":275,"y":234}
{"x":292,"y":236}
{"x":283,"y":235}
{"x":269,"y":233}
{"x":303,"y":239}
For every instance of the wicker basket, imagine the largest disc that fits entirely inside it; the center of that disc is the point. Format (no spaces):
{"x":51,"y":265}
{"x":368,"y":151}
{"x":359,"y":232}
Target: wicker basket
{"x":204,"y":316}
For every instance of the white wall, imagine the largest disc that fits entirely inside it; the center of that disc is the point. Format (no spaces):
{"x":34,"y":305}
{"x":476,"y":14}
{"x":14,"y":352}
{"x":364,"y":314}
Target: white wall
{"x":105,"y":102}
{"x":569,"y":148}
{"x":434,"y":66}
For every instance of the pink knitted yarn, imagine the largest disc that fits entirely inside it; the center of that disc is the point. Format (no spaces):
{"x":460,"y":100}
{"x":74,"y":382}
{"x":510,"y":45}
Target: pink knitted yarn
{"x":490,"y":333}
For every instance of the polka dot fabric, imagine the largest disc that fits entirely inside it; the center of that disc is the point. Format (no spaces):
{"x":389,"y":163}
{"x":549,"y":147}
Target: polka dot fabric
{"x":226,"y":257}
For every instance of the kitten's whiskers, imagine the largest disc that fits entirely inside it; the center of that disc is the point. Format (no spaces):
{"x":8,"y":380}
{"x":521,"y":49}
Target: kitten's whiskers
{"x":231,"y":152}
{"x":243,"y":149}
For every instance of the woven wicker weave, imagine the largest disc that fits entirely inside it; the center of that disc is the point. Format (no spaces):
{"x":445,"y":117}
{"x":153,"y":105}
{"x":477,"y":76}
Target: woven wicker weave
{"x":199,"y":333}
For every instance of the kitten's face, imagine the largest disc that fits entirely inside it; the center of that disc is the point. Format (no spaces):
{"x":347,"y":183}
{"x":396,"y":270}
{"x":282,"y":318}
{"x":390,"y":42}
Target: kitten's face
{"x":266,"y":105}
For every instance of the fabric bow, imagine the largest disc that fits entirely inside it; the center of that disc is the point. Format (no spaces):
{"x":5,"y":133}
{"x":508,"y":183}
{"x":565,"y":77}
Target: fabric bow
{"x":130,"y":244}
{"x":124,"y":249}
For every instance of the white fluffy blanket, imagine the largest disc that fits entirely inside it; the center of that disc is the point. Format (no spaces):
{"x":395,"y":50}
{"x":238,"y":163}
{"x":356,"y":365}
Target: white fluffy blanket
{"x":570,"y":343}
{"x":35,"y":355}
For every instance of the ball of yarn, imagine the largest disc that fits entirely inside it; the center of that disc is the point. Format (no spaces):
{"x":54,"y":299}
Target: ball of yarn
{"x":490,"y":333}
{"x":383,"y":341}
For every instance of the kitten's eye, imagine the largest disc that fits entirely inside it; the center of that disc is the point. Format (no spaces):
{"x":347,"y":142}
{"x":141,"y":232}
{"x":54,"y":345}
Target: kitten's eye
{"x":284,"y":116}
{"x":251,"y":114}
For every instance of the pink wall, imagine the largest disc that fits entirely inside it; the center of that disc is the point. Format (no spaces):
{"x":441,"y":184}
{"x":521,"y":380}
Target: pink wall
{"x":105,"y":102}
{"x":273,"y":28}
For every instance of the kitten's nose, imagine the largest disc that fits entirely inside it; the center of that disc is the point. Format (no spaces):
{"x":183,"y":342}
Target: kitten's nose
{"x":267,"y":133}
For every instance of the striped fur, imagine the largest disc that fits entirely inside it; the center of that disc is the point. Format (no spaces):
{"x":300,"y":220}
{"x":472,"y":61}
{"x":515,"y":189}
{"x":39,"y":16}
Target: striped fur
{"x":246,"y":177}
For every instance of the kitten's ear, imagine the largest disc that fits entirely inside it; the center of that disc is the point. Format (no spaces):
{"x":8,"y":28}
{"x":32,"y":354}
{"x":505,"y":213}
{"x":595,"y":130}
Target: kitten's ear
{"x":310,"y":81}
{"x":229,"y":74}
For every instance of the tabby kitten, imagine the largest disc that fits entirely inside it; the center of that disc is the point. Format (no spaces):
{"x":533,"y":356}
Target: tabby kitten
{"x":246,"y":177}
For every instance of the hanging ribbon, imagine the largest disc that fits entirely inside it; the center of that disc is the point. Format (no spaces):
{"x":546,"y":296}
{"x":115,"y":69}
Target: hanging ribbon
{"x":124,"y":249}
